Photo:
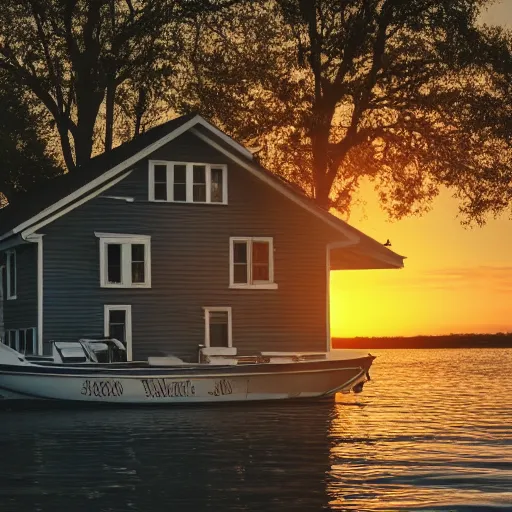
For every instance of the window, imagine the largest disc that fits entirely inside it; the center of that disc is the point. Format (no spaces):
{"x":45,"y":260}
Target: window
{"x":118,"y":324}
{"x":181,"y":182}
{"x":22,"y":340}
{"x":160,"y":182}
{"x":125,"y":261}
{"x":218,"y":328}
{"x":11,"y":277}
{"x":252,"y":263}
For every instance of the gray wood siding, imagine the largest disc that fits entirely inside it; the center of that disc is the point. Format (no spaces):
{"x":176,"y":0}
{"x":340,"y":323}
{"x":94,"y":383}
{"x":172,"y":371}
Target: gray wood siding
{"x":190,"y":265}
{"x":21,"y":313}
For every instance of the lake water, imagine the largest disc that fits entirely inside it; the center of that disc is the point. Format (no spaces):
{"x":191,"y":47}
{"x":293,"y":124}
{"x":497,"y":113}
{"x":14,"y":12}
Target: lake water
{"x":432,"y":431}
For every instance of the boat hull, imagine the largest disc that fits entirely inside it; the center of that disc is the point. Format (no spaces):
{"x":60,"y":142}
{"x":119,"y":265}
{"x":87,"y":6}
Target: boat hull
{"x":152,"y":386}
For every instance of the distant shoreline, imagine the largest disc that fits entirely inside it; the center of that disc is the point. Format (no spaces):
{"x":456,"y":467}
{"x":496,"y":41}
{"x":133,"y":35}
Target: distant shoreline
{"x":500,"y":340}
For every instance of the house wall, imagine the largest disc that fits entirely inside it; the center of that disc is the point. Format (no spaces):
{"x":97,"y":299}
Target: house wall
{"x":21,"y":313}
{"x":190,"y":265}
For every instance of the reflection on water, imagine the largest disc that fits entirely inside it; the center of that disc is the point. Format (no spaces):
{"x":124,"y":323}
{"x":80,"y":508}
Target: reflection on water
{"x":433,"y":430}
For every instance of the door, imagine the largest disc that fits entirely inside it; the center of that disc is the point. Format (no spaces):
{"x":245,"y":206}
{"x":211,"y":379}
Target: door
{"x":118,"y":324}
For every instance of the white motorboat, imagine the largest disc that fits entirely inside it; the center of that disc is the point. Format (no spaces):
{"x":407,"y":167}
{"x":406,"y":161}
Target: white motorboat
{"x":168,"y":380}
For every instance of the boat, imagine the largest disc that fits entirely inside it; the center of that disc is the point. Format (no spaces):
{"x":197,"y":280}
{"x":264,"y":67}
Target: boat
{"x":73,"y":374}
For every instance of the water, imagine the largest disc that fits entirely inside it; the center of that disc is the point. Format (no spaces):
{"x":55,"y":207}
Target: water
{"x":432,"y":431}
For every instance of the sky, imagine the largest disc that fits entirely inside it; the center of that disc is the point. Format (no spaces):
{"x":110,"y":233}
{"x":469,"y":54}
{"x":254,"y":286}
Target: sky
{"x":455,"y":279}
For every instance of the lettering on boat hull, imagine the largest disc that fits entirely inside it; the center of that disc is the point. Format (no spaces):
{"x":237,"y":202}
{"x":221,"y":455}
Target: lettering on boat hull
{"x":102,"y":388}
{"x":164,"y":388}
{"x":222,"y":387}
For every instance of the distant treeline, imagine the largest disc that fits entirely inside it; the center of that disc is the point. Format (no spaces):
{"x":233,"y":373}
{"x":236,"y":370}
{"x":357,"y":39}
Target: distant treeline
{"x":498,"y":340}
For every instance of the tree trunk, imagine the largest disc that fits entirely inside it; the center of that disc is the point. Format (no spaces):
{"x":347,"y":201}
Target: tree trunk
{"x":109,"y":111}
{"x":88,"y":104}
{"x":140,"y":108}
{"x":67,"y":152}
{"x":320,"y":148}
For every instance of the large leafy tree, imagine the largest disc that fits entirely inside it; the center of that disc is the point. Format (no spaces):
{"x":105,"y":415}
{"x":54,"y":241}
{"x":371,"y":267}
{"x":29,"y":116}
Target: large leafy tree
{"x":24,"y":160}
{"x":84,"y":58}
{"x":411,"y":95}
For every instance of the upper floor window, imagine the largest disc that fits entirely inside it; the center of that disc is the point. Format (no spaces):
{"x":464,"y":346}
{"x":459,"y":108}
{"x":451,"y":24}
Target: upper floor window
{"x":181,"y":182}
{"x":11,"y":275}
{"x":251,"y":262}
{"x":125,"y":260}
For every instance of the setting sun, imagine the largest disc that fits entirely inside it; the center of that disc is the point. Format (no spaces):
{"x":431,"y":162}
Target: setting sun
{"x":454,"y":279}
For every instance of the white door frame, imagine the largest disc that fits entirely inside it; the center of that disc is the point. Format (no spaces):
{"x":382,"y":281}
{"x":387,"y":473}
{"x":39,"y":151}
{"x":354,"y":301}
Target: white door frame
{"x":128,"y":318}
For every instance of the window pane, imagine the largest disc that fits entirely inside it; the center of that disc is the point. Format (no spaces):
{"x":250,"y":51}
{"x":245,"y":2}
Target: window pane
{"x":260,"y":261}
{"x":114,"y":263}
{"x":260,"y":252}
{"x":240,"y":273}
{"x":11,"y":339}
{"x":117,"y":331}
{"x":160,"y":174}
{"x":199,"y":174}
{"x":138,"y":252}
{"x":240,"y":252}
{"x":21,"y":341}
{"x":30,"y":342}
{"x":219,"y":329}
{"x":199,"y":184}
{"x":117,"y":316}
{"x":138,"y":272}
{"x":180,"y":192}
{"x":199,"y":195}
{"x":161,"y":191}
{"x":3,"y":279}
{"x":260,"y":273}
{"x":216,"y":191}
{"x":180,"y":174}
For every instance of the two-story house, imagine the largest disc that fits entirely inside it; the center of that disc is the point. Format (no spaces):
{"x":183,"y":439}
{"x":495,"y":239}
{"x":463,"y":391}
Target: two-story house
{"x":171,"y":241}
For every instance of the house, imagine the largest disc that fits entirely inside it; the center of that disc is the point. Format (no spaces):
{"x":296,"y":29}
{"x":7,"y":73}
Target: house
{"x":175,"y":240}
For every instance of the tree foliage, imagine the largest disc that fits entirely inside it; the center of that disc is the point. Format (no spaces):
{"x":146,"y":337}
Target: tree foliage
{"x":24,"y":160}
{"x":411,"y":95}
{"x":85,"y":60}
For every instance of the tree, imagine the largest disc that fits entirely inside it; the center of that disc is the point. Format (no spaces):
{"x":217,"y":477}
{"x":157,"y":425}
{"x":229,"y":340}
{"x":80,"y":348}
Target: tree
{"x":411,"y":95}
{"x":24,"y":160}
{"x":81,"y":58}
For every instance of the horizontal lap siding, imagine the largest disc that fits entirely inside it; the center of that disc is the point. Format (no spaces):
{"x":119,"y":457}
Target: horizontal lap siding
{"x":21,"y":313}
{"x":190,"y":265}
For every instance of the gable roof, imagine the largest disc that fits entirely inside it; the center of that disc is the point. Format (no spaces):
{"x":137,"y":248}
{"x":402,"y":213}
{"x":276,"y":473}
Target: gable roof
{"x":47,"y":193}
{"x":40,"y":205}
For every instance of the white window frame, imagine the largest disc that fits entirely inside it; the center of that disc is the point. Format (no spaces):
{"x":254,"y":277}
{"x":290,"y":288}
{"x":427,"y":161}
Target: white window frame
{"x":189,"y":182}
{"x":209,"y":309}
{"x":8,"y":255}
{"x":16,"y":338}
{"x":127,"y":308}
{"x":126,"y":242}
{"x":252,"y":285}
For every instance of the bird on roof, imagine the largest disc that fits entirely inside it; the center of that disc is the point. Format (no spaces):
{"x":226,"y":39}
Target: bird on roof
{"x":388,"y":243}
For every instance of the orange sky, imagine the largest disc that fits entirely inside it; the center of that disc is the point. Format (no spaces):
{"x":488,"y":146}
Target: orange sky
{"x":455,"y":279}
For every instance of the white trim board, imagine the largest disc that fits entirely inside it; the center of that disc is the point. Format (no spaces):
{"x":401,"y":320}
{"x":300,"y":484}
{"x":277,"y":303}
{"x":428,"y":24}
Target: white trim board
{"x":38,"y":239}
{"x":72,"y":206}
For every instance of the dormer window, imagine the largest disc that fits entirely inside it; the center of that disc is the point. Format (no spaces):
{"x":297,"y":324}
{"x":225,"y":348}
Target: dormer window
{"x":181,"y":182}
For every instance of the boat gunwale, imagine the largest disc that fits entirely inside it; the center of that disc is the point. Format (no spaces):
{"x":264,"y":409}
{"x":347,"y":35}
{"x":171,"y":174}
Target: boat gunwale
{"x":203,"y":371}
